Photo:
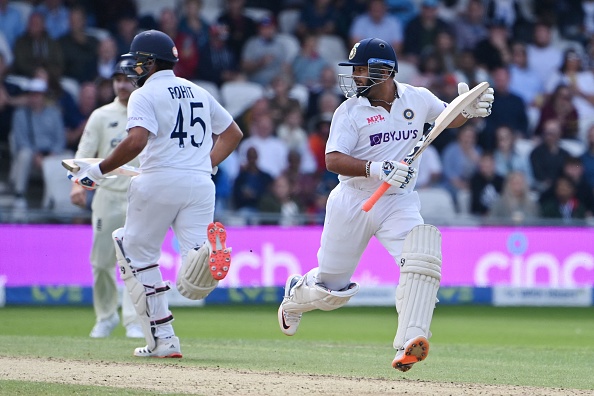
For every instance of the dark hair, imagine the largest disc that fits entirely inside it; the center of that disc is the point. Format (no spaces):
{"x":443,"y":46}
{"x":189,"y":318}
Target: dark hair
{"x":566,"y":55}
{"x":164,"y":65}
{"x":571,"y":160}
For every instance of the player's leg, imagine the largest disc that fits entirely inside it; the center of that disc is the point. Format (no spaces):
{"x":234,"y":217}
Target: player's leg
{"x":152,"y":206}
{"x":418,"y":253}
{"x":346,"y":233}
{"x":130,"y":318}
{"x":113,"y":209}
{"x":205,"y":256}
{"x":105,"y":294}
{"x":21,"y":169}
{"x":416,"y":295}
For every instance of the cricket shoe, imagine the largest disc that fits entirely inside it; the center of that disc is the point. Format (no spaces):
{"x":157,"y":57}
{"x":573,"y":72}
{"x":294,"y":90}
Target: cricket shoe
{"x":134,"y":330}
{"x":289,"y":321}
{"x":220,"y":255}
{"x":414,"y":350}
{"x":166,"y":348}
{"x":104,"y":327}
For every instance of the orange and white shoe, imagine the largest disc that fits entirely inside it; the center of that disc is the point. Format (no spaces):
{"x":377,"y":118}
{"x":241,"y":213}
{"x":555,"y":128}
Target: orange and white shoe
{"x":220,"y":255}
{"x":414,"y":350}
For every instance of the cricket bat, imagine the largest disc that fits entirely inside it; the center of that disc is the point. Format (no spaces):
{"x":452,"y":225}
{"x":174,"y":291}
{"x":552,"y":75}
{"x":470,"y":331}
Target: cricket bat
{"x":446,"y":117}
{"x":124,"y":170}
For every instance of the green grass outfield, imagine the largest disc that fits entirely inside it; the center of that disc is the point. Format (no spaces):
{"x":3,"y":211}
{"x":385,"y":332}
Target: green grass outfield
{"x":542,"y":347}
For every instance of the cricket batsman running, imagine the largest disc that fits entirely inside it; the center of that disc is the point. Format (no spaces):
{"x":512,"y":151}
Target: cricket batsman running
{"x":370,"y":135}
{"x":171,"y":123}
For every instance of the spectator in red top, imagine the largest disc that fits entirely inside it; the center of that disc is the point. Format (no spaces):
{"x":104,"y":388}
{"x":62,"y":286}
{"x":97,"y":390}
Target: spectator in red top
{"x":187,"y":47}
{"x":318,"y":138}
{"x":559,"y":107}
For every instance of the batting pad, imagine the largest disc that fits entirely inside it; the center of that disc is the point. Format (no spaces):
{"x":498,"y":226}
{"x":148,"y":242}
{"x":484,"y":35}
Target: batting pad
{"x":147,"y":292}
{"x":420,"y":274}
{"x":194,"y":280}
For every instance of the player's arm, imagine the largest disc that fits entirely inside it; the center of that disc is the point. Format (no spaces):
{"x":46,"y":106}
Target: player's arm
{"x":127,"y":150}
{"x":225,"y":143}
{"x":392,"y":172}
{"x":458,"y":121}
{"x":480,"y":107}
{"x":87,"y":148}
{"x":344,"y":164}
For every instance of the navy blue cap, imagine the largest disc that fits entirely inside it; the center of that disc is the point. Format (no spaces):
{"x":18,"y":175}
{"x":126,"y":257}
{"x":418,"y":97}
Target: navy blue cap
{"x":372,"y":51}
{"x":153,"y":44}
{"x":117,"y":69}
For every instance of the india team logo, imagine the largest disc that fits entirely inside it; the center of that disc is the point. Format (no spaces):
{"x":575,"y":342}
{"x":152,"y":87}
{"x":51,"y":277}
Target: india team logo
{"x":353,"y":51}
{"x":408,"y":114}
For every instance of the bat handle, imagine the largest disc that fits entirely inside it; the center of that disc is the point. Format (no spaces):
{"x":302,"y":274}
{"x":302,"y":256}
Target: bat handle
{"x":381,"y":190}
{"x":375,"y":197}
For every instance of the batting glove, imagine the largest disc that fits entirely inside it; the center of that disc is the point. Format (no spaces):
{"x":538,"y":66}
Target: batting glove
{"x":87,"y":177}
{"x":480,"y":107}
{"x":392,"y":172}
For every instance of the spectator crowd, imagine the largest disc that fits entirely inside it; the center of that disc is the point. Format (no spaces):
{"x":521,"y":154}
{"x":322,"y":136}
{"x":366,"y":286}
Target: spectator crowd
{"x":533,"y":158}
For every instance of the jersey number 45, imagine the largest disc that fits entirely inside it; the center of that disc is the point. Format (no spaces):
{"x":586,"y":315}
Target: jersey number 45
{"x":179,"y":132}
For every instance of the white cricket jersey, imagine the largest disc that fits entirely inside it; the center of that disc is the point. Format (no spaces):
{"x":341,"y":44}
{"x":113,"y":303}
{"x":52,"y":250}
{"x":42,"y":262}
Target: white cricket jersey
{"x":372,"y":133}
{"x":181,"y":118}
{"x":104,"y":130}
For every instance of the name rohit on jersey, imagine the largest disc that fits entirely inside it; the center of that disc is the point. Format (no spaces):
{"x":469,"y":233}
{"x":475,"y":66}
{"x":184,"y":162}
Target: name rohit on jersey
{"x":378,"y":138}
{"x":180,"y":92}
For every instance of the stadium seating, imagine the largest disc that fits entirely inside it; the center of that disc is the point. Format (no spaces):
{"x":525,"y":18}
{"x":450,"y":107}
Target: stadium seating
{"x":71,"y":86}
{"x":291,"y":45}
{"x":437,"y":205}
{"x":211,"y":87}
{"x":238,"y":96}
{"x":57,"y":189}
{"x":301,"y":93}
{"x":574,"y":147}
{"x":333,"y":50}
{"x":288,"y":20}
{"x":25,"y":8}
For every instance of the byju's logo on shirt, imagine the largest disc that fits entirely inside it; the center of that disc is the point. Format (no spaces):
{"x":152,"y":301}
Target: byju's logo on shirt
{"x":374,"y":119}
{"x":378,"y":138}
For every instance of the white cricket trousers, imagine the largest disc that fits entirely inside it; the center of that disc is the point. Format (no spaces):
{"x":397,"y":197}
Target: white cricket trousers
{"x":162,"y":199}
{"x":158,"y":200}
{"x":348,"y":229}
{"x":109,"y":214}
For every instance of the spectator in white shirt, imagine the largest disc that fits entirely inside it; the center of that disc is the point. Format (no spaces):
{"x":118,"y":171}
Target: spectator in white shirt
{"x":543,"y":56}
{"x":377,"y":22}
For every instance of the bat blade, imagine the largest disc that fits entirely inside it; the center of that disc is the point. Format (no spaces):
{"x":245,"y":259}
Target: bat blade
{"x":444,"y":119}
{"x":124,"y":170}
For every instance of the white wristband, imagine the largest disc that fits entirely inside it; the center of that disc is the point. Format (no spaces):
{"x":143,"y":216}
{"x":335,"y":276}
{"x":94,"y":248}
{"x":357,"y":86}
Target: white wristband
{"x":94,"y":172}
{"x":375,"y":169}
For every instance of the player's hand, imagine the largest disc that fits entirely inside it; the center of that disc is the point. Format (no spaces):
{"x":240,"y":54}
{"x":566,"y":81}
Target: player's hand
{"x":78,"y":196}
{"x":480,"y":107}
{"x":392,"y":172}
{"x":87,"y":177}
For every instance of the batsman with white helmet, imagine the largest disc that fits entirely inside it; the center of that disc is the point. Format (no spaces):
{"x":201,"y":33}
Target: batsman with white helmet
{"x":370,"y":135}
{"x":105,"y":128}
{"x":171,"y":124}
